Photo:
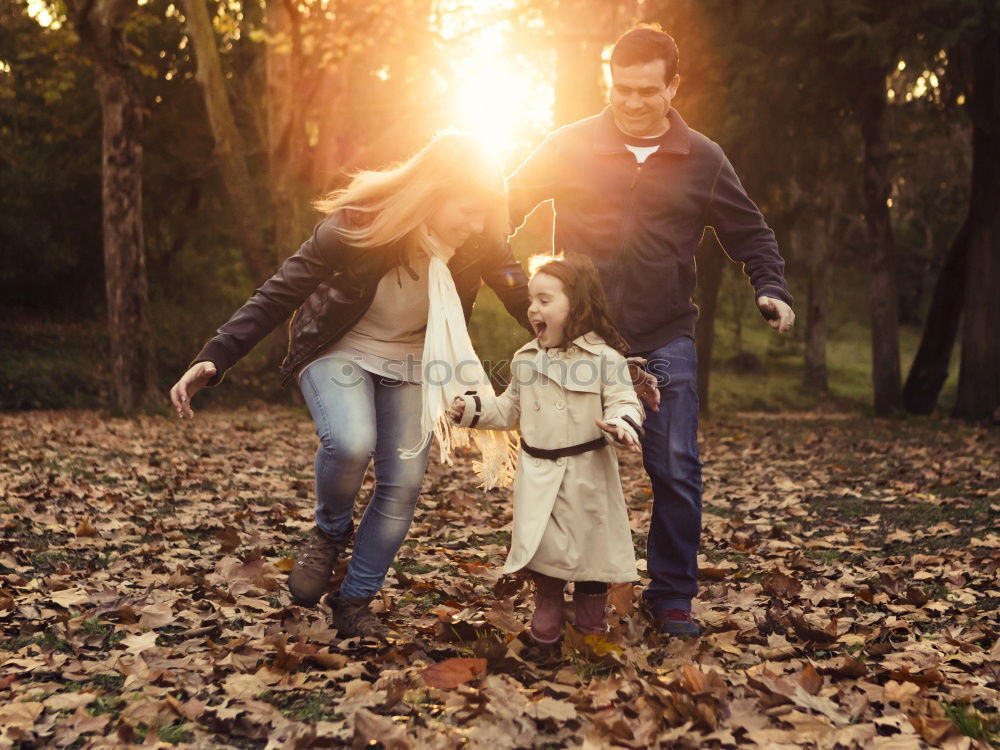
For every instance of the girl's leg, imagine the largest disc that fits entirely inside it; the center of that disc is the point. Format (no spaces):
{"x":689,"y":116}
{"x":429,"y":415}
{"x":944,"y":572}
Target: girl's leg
{"x":546,"y":623}
{"x":590,"y":602}
{"x":387,"y":518}
{"x":340,"y":397}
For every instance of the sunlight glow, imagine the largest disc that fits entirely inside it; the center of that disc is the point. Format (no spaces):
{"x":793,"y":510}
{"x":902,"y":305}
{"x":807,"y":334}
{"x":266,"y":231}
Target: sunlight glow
{"x":39,"y":10}
{"x":497,"y":94}
{"x":499,"y":99}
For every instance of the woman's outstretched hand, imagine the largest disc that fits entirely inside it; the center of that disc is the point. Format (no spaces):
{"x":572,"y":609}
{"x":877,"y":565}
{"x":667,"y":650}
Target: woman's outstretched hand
{"x":457,"y":410}
{"x":621,"y":435}
{"x":190,"y":383}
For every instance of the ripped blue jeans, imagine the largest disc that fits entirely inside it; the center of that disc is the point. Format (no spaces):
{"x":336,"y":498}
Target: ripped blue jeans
{"x":359,"y":416}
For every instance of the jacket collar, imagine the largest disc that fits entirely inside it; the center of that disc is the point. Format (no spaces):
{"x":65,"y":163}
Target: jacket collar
{"x":589,"y":342}
{"x":563,"y":367}
{"x":608,"y":138}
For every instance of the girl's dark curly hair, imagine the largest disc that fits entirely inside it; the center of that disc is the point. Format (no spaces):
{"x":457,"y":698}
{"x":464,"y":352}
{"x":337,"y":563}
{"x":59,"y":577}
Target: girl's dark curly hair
{"x":588,"y":305}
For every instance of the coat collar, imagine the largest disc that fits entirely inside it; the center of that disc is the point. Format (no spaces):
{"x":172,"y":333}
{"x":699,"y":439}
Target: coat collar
{"x":608,"y":138}
{"x":590,"y":342}
{"x":580,"y":367}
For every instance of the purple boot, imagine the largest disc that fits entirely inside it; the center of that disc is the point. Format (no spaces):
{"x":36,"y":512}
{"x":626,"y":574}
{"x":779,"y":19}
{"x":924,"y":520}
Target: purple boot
{"x":546,"y":624}
{"x":591,"y":613}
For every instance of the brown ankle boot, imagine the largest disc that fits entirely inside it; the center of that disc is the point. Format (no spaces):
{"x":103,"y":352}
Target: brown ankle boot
{"x":591,"y":613}
{"x":546,"y":624}
{"x":311,"y":574}
{"x":352,"y":617}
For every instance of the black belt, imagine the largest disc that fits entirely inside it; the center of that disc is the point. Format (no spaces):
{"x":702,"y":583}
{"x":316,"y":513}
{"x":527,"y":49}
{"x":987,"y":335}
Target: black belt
{"x":572,"y":450}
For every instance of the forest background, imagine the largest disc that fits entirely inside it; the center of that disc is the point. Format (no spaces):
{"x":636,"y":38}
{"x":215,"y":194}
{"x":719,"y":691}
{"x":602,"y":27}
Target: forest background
{"x":866,"y":131}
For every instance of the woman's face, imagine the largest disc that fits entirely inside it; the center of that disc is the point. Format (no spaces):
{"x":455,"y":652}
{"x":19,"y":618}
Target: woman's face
{"x":456,"y":218}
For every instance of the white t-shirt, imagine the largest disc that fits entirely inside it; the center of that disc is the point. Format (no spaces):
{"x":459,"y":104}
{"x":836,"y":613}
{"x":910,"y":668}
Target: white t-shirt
{"x":642,"y":152}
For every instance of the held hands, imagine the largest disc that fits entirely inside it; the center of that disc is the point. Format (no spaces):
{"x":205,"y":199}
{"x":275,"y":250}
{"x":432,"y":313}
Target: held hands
{"x":779,"y":315}
{"x":620,"y":435}
{"x":644,"y":382}
{"x":190,"y":383}
{"x":457,"y":410}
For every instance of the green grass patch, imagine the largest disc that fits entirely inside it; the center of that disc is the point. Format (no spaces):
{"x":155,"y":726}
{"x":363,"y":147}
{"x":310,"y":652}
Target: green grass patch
{"x":175,"y":733}
{"x":106,"y":704}
{"x":500,"y":538}
{"x":305,"y":706}
{"x":110,"y":682}
{"x":413,"y":567}
{"x":972,"y":723}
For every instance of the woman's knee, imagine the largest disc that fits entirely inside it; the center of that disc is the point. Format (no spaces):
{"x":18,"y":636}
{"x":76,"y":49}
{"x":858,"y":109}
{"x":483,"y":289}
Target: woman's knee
{"x":350,"y":445}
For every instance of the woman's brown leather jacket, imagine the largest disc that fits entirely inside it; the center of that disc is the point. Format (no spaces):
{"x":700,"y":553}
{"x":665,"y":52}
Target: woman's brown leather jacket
{"x":329,"y":285}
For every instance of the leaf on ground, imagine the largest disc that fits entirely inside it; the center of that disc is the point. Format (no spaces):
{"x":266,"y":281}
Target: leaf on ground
{"x":451,"y":673}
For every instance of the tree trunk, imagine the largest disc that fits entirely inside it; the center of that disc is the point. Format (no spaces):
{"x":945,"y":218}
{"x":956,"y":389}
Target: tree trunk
{"x":711,"y":260}
{"x":979,"y":376}
{"x":286,"y":139}
{"x":229,"y":146}
{"x":100,"y":26}
{"x":884,"y":305}
{"x":817,"y":308}
{"x":930,"y":365}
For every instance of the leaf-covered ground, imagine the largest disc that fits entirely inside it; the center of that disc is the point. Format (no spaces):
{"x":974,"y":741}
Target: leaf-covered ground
{"x":850,"y":598}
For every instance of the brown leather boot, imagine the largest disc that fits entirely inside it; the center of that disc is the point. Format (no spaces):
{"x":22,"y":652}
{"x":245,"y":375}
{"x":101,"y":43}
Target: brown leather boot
{"x":546,"y":623}
{"x":352,"y":617}
{"x":310,"y":576}
{"x":591,"y":613}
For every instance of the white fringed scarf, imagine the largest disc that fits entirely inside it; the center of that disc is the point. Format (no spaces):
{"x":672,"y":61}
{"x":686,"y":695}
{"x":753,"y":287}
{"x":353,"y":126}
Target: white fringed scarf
{"x":447,"y":345}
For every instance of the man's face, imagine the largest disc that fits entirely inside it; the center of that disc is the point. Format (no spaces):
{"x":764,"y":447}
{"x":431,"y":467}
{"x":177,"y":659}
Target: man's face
{"x":640,"y":98}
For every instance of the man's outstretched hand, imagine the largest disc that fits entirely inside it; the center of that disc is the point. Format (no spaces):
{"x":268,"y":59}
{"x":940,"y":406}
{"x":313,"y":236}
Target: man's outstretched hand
{"x":644,"y":382}
{"x":779,"y":315}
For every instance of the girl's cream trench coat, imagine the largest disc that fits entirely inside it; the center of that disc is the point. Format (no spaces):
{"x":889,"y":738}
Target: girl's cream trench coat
{"x":570,"y":518}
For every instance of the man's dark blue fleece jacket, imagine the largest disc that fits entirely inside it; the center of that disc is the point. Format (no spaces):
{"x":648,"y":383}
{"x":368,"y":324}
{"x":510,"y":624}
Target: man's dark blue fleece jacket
{"x":641,"y":223}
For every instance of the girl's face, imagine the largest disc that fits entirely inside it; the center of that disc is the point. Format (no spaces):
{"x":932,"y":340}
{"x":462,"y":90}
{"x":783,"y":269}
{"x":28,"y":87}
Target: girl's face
{"x":457,"y":218}
{"x":548,"y":309}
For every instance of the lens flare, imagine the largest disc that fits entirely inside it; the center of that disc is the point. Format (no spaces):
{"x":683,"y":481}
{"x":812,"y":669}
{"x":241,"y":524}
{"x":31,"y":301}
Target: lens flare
{"x":499,"y":97}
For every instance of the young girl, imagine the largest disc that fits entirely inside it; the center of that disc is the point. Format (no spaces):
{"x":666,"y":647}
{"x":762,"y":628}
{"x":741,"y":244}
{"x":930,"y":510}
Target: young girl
{"x":567,"y":386}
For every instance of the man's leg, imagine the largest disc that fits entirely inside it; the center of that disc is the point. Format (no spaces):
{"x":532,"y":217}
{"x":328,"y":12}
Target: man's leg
{"x":670,"y":457}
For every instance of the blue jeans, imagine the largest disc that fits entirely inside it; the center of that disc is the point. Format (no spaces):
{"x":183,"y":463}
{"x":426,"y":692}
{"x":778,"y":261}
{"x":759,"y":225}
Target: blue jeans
{"x":670,"y":457}
{"x":360,"y":415}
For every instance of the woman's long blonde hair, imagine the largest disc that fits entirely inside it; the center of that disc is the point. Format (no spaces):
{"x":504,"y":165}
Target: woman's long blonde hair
{"x":386,"y":205}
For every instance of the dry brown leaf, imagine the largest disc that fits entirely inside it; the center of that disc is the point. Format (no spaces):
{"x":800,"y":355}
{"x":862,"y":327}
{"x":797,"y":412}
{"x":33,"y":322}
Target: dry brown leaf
{"x":229,"y":538}
{"x":621,"y":597}
{"x":781,"y":585}
{"x":371,"y":728}
{"x":451,"y":673}
{"x":85,"y":528}
{"x":811,"y":680}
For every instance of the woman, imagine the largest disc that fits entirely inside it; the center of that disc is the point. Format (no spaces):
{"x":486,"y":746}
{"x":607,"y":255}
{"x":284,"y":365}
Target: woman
{"x":361,"y":288}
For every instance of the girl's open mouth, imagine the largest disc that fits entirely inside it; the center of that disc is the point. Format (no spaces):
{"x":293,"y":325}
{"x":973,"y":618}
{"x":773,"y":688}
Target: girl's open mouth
{"x":539,"y":328}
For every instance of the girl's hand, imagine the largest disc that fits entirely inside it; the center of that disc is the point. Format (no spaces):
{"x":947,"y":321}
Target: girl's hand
{"x":620,"y":435}
{"x":190,"y":383}
{"x":457,"y":410}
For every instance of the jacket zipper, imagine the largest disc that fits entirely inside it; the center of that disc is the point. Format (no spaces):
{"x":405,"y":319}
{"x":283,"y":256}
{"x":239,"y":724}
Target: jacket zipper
{"x":630,"y":208}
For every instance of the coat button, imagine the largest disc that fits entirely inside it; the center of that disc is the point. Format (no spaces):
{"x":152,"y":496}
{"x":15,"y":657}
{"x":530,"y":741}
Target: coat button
{"x":560,"y":404}
{"x":537,"y":406}
{"x":538,"y":462}
{"x":560,"y":461}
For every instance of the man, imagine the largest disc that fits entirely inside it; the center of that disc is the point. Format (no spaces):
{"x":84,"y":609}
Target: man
{"x":633,"y":187}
